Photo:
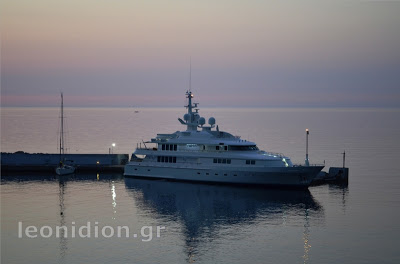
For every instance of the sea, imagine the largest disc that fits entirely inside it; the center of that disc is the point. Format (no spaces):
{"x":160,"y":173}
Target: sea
{"x":106,"y":218}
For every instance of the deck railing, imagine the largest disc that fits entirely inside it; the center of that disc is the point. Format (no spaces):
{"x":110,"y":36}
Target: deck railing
{"x":273,"y":154}
{"x":310,"y":165}
{"x":144,"y":148}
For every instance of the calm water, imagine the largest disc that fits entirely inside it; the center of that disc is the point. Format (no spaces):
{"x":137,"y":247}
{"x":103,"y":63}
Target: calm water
{"x":206,"y":223}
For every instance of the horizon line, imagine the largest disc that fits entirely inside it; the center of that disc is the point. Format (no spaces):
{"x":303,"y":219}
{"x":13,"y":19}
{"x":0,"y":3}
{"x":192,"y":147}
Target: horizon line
{"x":216,"y":107}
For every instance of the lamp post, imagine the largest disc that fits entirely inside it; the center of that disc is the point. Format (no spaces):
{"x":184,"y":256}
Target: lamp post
{"x":307,"y":162}
{"x":112,"y":148}
{"x":344,"y":158}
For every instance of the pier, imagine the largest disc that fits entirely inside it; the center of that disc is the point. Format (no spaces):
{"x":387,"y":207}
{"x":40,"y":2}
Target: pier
{"x":335,"y":175}
{"x":43,"y":162}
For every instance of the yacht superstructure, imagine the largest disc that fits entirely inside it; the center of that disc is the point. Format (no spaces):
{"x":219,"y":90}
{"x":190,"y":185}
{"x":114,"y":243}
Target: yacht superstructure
{"x":203,"y":153}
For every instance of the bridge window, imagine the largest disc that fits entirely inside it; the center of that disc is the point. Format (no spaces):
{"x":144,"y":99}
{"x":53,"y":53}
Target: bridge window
{"x":169,"y":147}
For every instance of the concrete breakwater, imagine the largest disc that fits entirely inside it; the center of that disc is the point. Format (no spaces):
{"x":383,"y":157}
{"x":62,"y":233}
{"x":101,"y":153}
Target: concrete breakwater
{"x":336,"y":175}
{"x":22,"y":161}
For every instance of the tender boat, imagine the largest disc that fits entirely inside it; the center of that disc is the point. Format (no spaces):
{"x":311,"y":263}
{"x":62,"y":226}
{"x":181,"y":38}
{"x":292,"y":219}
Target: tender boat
{"x":205,"y":154}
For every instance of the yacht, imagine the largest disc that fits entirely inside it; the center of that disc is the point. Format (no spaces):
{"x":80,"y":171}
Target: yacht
{"x":203,"y":153}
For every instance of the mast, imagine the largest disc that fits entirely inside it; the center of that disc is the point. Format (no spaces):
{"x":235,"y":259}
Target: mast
{"x":189,"y":95}
{"x":191,"y":118}
{"x":190,"y":75}
{"x":62,"y":128}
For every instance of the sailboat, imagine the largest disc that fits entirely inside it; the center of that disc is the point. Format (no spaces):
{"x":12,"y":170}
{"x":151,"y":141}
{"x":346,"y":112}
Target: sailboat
{"x":62,"y":168}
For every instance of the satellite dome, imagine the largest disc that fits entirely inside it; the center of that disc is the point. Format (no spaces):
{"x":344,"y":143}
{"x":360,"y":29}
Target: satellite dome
{"x":211,"y":121}
{"x":202,"y":121}
{"x":186,"y":117}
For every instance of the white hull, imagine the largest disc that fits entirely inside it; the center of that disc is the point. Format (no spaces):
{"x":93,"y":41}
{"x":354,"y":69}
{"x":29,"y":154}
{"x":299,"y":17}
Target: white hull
{"x":300,"y":176}
{"x":65,"y":170}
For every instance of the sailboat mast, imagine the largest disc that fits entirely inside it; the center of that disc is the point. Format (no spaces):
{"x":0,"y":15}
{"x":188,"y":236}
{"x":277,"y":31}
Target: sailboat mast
{"x":62,"y":127}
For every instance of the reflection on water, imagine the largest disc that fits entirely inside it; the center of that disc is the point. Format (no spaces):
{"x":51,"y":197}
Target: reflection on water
{"x":306,"y":237}
{"x":205,"y":210}
{"x":341,"y":192}
{"x":63,"y":238}
{"x":202,"y":215}
{"x":64,"y":185}
{"x":114,"y":199}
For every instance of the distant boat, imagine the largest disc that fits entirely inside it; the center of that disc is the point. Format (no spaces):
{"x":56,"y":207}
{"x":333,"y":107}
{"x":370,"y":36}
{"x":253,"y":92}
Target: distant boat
{"x":62,"y":168}
{"x":136,"y":111}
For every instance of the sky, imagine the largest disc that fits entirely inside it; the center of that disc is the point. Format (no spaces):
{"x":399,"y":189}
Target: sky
{"x":253,"y":53}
